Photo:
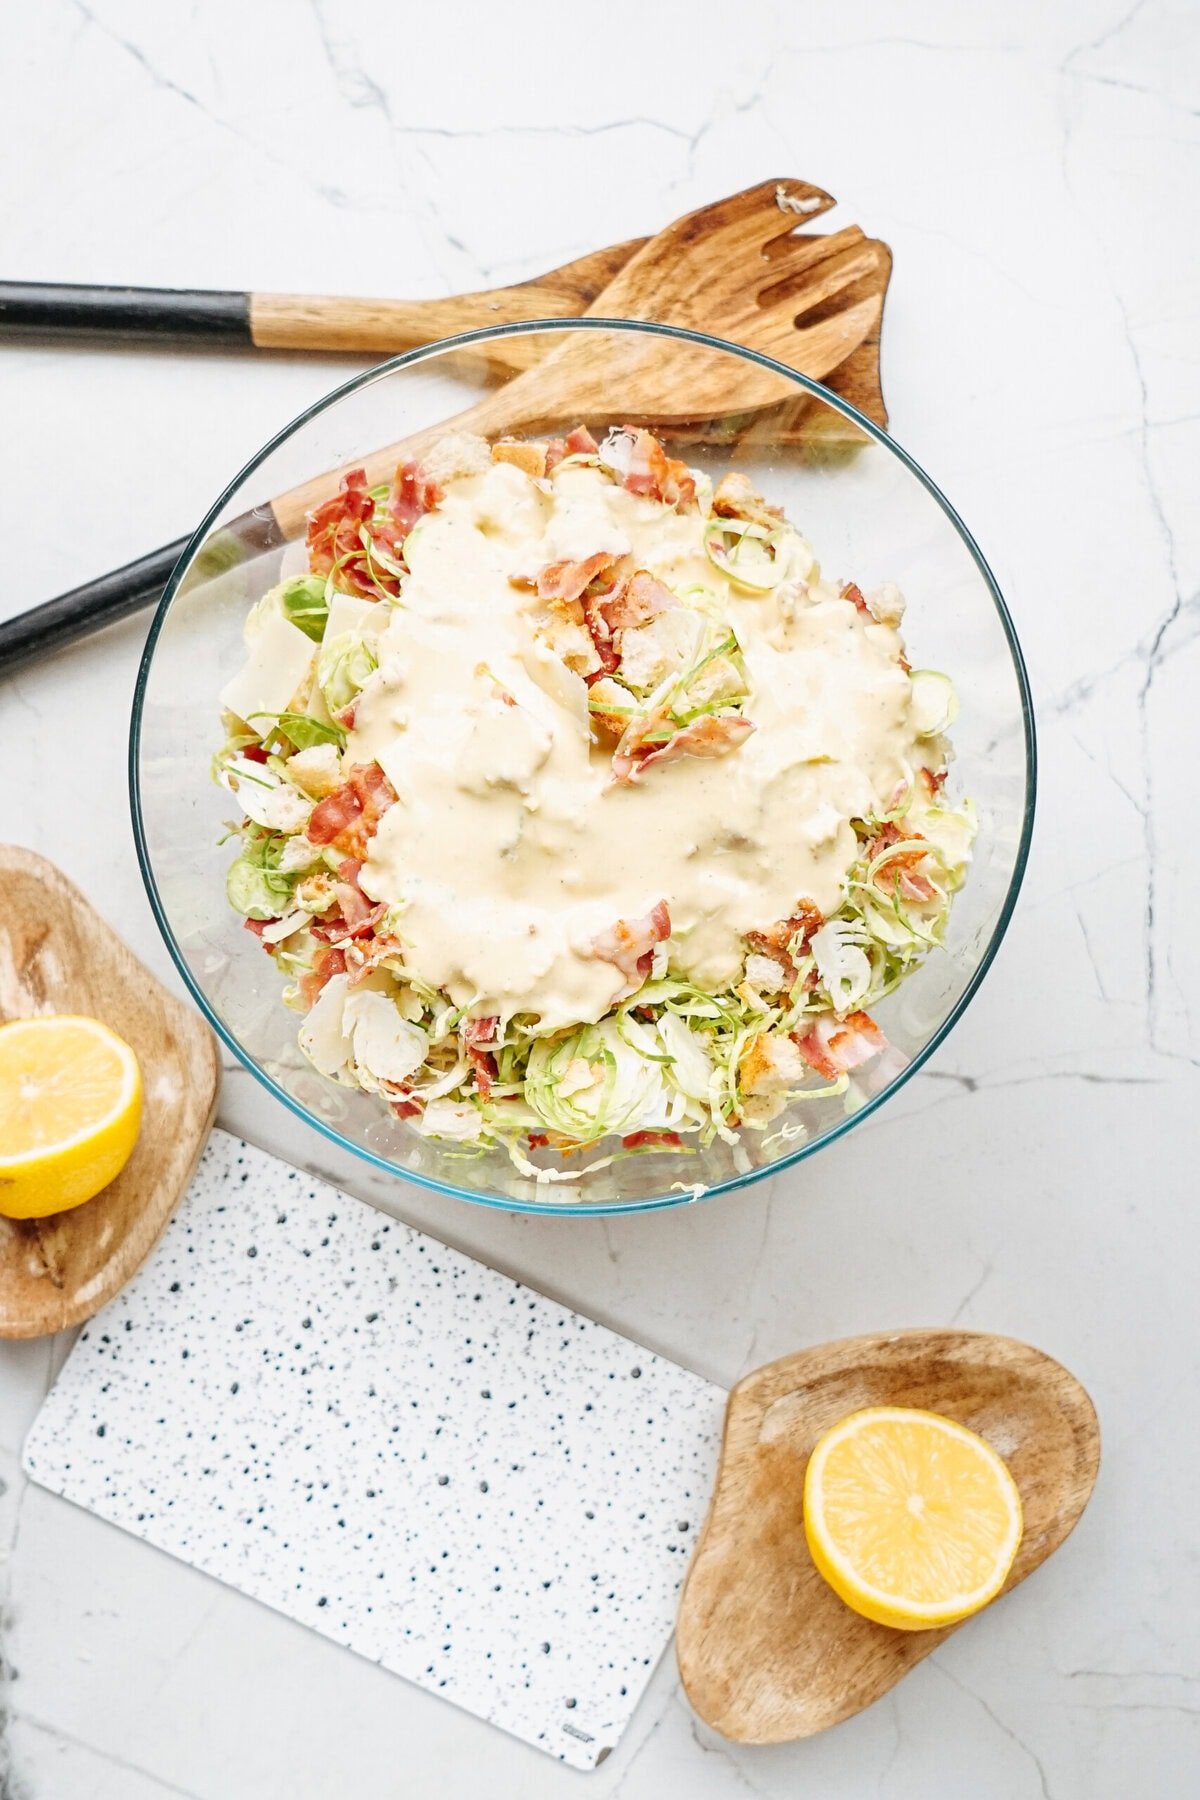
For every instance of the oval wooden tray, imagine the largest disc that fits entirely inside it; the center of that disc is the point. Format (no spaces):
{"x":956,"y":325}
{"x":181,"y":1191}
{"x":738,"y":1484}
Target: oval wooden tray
{"x":766,"y":1649}
{"x":58,"y":955}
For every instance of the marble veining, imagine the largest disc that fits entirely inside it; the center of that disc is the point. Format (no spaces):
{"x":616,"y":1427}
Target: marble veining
{"x":1034,"y":168}
{"x":412,"y":1454}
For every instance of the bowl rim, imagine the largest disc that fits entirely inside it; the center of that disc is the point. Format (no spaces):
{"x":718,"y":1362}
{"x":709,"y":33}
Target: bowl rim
{"x":584,"y":1208}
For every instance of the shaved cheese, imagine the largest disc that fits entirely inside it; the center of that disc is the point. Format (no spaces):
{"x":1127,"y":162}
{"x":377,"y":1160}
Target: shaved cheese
{"x":279,"y":661}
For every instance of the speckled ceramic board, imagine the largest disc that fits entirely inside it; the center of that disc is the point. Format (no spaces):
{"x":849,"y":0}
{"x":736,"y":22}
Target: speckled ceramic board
{"x":409,"y":1452}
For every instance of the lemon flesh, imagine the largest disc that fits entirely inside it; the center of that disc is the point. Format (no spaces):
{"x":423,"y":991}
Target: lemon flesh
{"x":70,"y":1108}
{"x":913,"y":1520}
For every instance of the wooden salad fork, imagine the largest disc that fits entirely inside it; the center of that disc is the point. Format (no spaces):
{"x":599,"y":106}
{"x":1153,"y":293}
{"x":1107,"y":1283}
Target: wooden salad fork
{"x":744,"y":268}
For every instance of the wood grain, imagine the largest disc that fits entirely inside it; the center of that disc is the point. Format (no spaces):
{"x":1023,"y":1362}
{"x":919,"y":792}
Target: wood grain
{"x":766,"y":1649}
{"x":336,"y":322}
{"x":57,"y":955}
{"x":736,"y":269}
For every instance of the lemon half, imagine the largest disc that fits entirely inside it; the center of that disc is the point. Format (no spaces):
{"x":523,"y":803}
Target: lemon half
{"x":70,"y":1108}
{"x":913,"y":1520}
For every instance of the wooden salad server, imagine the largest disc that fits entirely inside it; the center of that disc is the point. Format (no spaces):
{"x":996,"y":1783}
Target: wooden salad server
{"x":322,"y":322}
{"x":767,"y":1651}
{"x":739,"y":268}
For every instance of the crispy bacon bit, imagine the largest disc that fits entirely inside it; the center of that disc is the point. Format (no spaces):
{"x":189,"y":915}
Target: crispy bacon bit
{"x":629,"y":944}
{"x":258,"y":926}
{"x":254,"y":753}
{"x":854,"y":594}
{"x":538,"y":1140}
{"x":568,"y":580}
{"x":361,"y":915}
{"x":833,"y":1047}
{"x":774,"y":941}
{"x":653,"y":1140}
{"x":899,"y":873}
{"x":931,"y":782}
{"x":636,"y":601}
{"x":578,"y":442}
{"x":715,"y":735}
{"x":651,"y":472}
{"x":348,"y":817}
{"x":326,"y":964}
{"x":476,"y":1033}
{"x":364,"y":954}
{"x":333,"y":527}
{"x":407,"y":1106}
{"x":337,"y":528}
{"x":413,"y":495}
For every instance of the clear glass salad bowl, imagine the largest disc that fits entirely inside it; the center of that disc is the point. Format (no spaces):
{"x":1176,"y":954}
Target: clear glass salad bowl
{"x":871,"y":515}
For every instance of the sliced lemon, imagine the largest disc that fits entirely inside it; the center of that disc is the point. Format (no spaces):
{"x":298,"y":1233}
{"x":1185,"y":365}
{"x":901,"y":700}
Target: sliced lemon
{"x":70,"y":1107}
{"x":913,"y":1520}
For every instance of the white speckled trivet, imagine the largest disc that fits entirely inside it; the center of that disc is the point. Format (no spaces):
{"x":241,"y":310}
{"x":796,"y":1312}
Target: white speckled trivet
{"x":393,"y":1444}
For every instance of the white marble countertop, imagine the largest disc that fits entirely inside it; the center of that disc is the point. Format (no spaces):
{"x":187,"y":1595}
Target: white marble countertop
{"x":1027,"y":163}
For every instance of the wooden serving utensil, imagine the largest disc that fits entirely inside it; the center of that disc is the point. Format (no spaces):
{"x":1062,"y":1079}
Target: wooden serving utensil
{"x":738,"y":268}
{"x":734,"y":270}
{"x":57,"y":955}
{"x":766,"y":1649}
{"x":321,"y":322}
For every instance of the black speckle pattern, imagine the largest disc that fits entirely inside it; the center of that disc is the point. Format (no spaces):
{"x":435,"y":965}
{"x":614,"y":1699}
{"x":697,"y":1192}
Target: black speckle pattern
{"x":402,"y":1449}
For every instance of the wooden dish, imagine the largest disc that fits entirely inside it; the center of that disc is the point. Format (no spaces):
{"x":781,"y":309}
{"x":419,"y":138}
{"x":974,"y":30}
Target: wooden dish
{"x":58,"y":955}
{"x":766,"y":1649}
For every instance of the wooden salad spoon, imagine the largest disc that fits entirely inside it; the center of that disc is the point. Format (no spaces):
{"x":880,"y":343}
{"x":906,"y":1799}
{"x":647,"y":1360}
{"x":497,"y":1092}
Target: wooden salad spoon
{"x":739,"y":268}
{"x":321,"y":322}
{"x":735,"y":270}
{"x":766,"y":1649}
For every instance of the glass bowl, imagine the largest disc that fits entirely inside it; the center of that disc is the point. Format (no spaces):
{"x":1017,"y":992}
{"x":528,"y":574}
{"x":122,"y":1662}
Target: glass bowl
{"x":871,"y":515}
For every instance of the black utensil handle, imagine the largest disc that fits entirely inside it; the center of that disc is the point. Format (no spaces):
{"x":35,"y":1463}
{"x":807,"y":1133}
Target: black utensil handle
{"x":185,"y":315}
{"x":127,"y":590}
{"x":88,"y":608}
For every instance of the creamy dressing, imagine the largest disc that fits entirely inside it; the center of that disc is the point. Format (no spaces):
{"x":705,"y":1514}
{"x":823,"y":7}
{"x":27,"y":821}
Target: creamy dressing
{"x":511,"y":847}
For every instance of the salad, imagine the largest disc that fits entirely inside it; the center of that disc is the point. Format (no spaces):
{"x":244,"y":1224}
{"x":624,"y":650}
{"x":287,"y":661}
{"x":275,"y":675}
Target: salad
{"x":577,"y":809}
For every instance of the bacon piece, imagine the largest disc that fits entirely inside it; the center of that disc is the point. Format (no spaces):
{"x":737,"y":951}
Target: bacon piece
{"x":336,"y":528}
{"x":364,"y":955}
{"x":900,"y":872}
{"x":636,"y":601}
{"x":833,"y":1047}
{"x":774,"y":941}
{"x":348,"y":817}
{"x":629,"y":944}
{"x":360,"y":914}
{"x":651,"y":472}
{"x":714,"y":735}
{"x":258,"y":926}
{"x":854,"y":594}
{"x":538,"y":1140}
{"x":413,"y":495}
{"x":253,"y":753}
{"x":407,"y":1106}
{"x":653,"y":1140}
{"x":932,"y":783}
{"x":326,"y":964}
{"x":567,"y":580}
{"x":475,"y":1034}
{"x":578,"y":442}
{"x":333,"y":527}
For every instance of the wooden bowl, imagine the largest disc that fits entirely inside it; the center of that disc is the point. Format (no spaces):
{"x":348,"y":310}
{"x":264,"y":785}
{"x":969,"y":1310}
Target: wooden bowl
{"x":57,"y":955}
{"x":766,"y":1649}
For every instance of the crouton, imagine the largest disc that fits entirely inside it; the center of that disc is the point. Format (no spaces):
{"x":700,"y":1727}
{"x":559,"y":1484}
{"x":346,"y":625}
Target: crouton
{"x":531,"y":458}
